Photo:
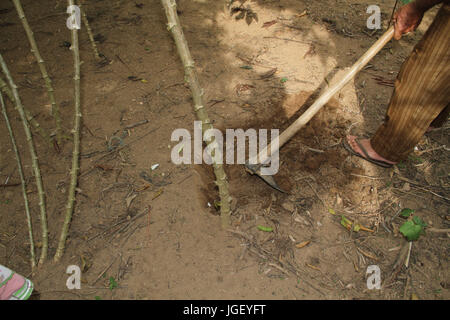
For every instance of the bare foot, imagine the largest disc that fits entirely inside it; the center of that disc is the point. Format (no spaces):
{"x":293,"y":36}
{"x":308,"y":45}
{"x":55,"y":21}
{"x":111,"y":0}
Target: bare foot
{"x":368,"y":147}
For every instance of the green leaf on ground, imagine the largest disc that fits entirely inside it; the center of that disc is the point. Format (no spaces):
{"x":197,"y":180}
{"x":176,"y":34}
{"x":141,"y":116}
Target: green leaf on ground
{"x":401,"y":165}
{"x":411,"y":230}
{"x":265,"y":229}
{"x":415,"y":159}
{"x":247,"y":67}
{"x":406,"y":212}
{"x":346,"y":223}
{"x":283,"y":80}
{"x":417,"y":220}
{"x":112,"y":283}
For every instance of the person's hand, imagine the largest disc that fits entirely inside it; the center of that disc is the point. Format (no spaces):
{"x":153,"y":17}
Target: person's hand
{"x":407,"y":19}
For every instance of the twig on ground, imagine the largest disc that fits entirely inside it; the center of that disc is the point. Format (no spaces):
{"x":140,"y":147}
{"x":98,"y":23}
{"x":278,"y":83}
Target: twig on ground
{"x":278,"y":267}
{"x":137,"y":124}
{"x":367,"y":254}
{"x":9,"y":185}
{"x":317,"y":195}
{"x":438,"y":230}
{"x":432,"y":149}
{"x":264,"y":254}
{"x":145,"y":211}
{"x":368,"y":177}
{"x":397,"y":265}
{"x":103,"y":272}
{"x":409,"y":254}
{"x":287,"y":39}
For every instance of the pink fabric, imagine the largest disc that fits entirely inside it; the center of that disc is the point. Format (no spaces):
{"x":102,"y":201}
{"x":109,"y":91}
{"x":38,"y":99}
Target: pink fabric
{"x":15,"y":283}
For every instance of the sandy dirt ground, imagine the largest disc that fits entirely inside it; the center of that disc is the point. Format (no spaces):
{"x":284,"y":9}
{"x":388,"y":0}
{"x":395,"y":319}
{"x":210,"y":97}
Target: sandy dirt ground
{"x":139,"y":233}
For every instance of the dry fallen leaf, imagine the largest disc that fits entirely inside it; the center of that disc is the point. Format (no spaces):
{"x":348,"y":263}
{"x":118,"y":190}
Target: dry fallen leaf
{"x":312,"y":267}
{"x":299,"y":15}
{"x":268,"y":74}
{"x":269,"y":23}
{"x":302,"y":244}
{"x":130,"y":199}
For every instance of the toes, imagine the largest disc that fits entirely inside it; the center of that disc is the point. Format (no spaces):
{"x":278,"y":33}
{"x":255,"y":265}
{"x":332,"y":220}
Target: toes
{"x":351,"y":141}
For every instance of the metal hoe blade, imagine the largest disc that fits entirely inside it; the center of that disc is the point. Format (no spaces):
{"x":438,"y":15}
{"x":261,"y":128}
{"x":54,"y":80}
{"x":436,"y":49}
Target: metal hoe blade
{"x":255,"y":169}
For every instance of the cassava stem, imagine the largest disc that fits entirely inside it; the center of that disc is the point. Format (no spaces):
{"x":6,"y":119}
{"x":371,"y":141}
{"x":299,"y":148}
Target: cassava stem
{"x":76,"y":146}
{"x":22,"y":180}
{"x":174,"y":27}
{"x":4,"y":88}
{"x":89,"y":32}
{"x":48,"y":81}
{"x":34,"y":160}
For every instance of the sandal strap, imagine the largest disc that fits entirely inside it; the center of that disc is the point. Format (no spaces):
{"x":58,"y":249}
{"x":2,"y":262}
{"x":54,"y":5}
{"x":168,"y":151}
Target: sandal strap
{"x":363,"y":149}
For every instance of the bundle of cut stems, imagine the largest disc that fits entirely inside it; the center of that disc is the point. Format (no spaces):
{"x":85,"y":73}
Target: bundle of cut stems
{"x":22,"y":180}
{"x":34,"y":160}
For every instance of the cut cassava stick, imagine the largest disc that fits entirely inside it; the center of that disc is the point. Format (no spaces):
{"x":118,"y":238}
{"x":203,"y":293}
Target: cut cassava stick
{"x":48,"y":81}
{"x":197,"y":93}
{"x":22,"y":179}
{"x":4,"y":88}
{"x":76,"y":145}
{"x":89,"y":31}
{"x":34,"y":160}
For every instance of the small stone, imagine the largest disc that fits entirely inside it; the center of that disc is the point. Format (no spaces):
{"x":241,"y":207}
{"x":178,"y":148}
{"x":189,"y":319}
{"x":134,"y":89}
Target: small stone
{"x":298,"y":218}
{"x":338,"y":200}
{"x":289,"y":206}
{"x":406,"y":187}
{"x":233,"y":204}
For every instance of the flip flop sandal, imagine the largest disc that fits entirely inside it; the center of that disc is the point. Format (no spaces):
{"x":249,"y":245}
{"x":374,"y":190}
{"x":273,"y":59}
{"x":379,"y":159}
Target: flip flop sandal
{"x":367,"y":157}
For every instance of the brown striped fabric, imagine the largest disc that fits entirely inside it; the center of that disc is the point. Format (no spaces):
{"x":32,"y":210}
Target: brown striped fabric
{"x":422,"y":93}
